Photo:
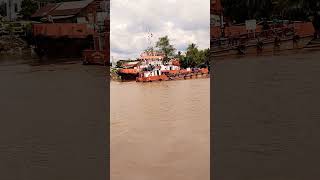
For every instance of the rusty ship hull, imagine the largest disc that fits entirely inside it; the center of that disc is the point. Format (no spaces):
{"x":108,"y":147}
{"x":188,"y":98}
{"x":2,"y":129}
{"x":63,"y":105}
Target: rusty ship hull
{"x":61,"y":39}
{"x":61,"y":47}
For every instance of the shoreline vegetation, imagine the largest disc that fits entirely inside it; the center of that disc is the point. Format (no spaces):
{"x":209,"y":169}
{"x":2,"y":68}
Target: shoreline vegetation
{"x":261,"y":10}
{"x":14,"y":36}
{"x":193,"y":57}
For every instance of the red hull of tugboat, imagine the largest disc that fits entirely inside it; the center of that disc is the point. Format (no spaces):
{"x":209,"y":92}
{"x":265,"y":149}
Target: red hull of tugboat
{"x":153,"y":78}
{"x":128,"y":74}
{"x":61,"y":40}
{"x":176,"y":75}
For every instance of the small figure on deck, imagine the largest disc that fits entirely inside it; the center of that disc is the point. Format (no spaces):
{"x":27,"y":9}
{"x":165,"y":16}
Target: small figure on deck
{"x":296,"y":39}
{"x":259,"y":46}
{"x":277,"y":41}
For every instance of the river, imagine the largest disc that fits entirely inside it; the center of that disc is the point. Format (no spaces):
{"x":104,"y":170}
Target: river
{"x":53,"y":120}
{"x":160,"y":130}
{"x":266,"y":117}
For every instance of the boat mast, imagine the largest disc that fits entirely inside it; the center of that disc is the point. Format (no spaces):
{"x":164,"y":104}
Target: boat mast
{"x":149,"y":39}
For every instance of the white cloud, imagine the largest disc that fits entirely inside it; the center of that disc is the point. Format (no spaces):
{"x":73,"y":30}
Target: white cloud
{"x":184,"y":21}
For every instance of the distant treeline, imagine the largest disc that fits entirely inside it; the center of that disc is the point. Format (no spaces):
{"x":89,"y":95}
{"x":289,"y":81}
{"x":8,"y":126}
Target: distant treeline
{"x":193,"y":57}
{"x":240,"y":10}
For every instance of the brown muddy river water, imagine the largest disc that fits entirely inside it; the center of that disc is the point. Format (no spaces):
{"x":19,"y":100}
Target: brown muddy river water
{"x":160,"y":130}
{"x":266,"y":117}
{"x":53,"y":120}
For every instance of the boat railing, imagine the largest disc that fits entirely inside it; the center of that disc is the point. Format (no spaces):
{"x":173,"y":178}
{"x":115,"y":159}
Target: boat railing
{"x":243,"y":38}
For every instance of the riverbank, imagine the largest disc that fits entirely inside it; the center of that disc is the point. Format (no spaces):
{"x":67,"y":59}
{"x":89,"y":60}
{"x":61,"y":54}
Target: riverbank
{"x":114,"y":75}
{"x":12,"y":44}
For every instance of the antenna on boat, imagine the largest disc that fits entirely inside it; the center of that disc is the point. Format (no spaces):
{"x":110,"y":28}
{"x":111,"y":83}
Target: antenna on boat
{"x":149,"y":39}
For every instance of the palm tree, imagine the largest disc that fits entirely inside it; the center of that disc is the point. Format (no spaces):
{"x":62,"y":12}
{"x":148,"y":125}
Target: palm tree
{"x":241,"y":10}
{"x":257,"y":8}
{"x":297,"y":8}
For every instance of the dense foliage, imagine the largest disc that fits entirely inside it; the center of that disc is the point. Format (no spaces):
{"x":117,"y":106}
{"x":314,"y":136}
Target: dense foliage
{"x":28,"y":7}
{"x":240,"y":10}
{"x":194,"y":57}
{"x":163,"y":45}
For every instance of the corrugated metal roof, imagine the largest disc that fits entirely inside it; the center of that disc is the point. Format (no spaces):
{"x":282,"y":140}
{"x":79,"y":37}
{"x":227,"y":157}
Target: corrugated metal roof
{"x":70,"y":8}
{"x":74,"y":5}
{"x":44,"y":10}
{"x":62,"y":9}
{"x":62,"y":17}
{"x":64,"y":12}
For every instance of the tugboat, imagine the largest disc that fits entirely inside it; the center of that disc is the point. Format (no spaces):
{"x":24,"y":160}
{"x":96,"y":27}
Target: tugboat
{"x":147,"y":68}
{"x":152,"y":74}
{"x":154,"y":68}
{"x":151,"y":67}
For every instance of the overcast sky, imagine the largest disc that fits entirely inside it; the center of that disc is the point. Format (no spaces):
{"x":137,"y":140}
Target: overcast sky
{"x":184,"y":21}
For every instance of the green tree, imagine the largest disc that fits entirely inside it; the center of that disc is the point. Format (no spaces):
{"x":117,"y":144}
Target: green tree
{"x":297,"y":9}
{"x":241,"y":10}
{"x":258,"y":8}
{"x":28,"y":7}
{"x":163,"y":45}
{"x":182,"y":59}
{"x":194,"y":57}
{"x":206,"y":58}
{"x":192,"y":53}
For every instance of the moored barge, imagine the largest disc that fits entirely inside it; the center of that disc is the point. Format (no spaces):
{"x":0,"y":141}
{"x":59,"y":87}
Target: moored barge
{"x":151,"y":67}
{"x":173,"y":75}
